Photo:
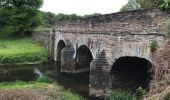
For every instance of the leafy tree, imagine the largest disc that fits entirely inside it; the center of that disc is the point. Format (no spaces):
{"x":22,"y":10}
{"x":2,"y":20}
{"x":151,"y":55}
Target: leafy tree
{"x":25,"y":14}
{"x":131,"y":5}
{"x":136,"y":4}
{"x":165,"y":5}
{"x":47,"y":19}
{"x":149,"y":3}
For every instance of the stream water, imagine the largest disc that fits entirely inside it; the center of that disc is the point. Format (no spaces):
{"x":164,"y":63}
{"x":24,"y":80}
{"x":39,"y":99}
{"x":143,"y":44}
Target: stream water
{"x":76,"y":82}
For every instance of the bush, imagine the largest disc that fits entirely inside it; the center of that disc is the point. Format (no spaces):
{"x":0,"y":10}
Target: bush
{"x":121,"y":95}
{"x":153,"y":46}
{"x":140,"y":93}
{"x":44,"y":79}
{"x":167,"y":96}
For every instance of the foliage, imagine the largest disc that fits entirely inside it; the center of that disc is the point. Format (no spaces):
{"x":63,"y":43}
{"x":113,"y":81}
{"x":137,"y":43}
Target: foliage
{"x":131,"y":5}
{"x":136,"y":4}
{"x":69,"y":95}
{"x":153,"y":46}
{"x":24,"y":14}
{"x":140,"y":93}
{"x":121,"y":95}
{"x":165,"y":5}
{"x":45,"y":79}
{"x":48,"y":19}
{"x":21,"y":50}
{"x":167,"y":29}
{"x":149,"y":3}
{"x":167,"y":96}
{"x":64,"y":17}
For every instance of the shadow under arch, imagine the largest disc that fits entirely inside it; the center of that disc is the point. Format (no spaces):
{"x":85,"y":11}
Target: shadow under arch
{"x":61,"y":44}
{"x":130,"y":73}
{"x":83,"y":57}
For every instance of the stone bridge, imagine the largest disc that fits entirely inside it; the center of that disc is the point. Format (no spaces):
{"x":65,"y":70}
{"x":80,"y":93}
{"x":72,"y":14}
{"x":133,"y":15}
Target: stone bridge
{"x":114,"y":48}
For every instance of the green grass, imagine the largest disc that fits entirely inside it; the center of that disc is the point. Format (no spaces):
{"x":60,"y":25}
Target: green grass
{"x":121,"y":95}
{"x":45,"y":79}
{"x":68,"y":95}
{"x":22,"y":85}
{"x":21,"y":50}
{"x":57,"y":90}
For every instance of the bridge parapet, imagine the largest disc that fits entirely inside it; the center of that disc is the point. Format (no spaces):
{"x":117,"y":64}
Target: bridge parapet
{"x":142,"y":21}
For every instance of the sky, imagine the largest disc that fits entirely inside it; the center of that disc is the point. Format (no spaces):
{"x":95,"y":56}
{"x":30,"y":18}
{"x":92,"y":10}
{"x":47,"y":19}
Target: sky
{"x":83,"y":7}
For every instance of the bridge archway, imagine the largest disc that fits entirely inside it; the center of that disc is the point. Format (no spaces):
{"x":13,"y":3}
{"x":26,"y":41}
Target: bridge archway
{"x":61,"y":44}
{"x":83,"y":57}
{"x":130,"y":73}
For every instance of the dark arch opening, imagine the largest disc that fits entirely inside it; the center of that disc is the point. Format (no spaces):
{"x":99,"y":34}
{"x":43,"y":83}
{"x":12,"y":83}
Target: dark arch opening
{"x":83,"y":57}
{"x":130,"y":73}
{"x":60,"y":46}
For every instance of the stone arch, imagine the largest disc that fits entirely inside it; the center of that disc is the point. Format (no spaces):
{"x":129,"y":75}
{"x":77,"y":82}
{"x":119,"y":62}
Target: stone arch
{"x":83,"y":57}
{"x":130,"y":73}
{"x":61,"y":44}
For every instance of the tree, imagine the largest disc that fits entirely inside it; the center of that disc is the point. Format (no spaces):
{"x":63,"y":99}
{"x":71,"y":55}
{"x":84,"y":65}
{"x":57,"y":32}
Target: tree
{"x":131,"y":5}
{"x":165,"y":5}
{"x":25,"y":13}
{"x":48,"y":19}
{"x":136,"y":4}
{"x":149,"y":3}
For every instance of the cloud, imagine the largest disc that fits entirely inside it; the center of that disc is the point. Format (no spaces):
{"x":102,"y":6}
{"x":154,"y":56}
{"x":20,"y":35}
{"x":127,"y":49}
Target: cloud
{"x":82,"y":7}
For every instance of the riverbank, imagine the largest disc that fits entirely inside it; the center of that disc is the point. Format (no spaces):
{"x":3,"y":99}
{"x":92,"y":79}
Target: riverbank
{"x":21,"y":50}
{"x":41,"y":89}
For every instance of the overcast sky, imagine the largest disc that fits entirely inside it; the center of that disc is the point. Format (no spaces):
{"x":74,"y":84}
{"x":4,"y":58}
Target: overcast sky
{"x":82,"y":7}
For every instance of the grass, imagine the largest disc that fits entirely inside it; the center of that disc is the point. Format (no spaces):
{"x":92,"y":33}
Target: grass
{"x":49,"y":88}
{"x":40,"y":82}
{"x":22,"y":85}
{"x":21,"y":50}
{"x":121,"y":95}
{"x":45,"y":79}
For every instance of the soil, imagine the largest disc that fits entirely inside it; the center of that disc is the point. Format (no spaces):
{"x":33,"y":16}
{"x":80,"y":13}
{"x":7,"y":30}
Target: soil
{"x":49,"y":93}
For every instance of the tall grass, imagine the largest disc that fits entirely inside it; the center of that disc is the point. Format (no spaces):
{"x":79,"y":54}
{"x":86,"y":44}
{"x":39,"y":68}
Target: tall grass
{"x":21,"y":50}
{"x":121,"y":95}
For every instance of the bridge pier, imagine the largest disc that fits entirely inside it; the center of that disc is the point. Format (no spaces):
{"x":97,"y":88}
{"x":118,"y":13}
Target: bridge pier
{"x":99,"y":75}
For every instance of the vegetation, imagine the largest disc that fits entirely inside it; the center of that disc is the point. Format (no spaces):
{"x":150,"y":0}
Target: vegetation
{"x":167,"y":29}
{"x":153,"y":46}
{"x":22,"y":85}
{"x":136,"y":4}
{"x":167,"y":96}
{"x":45,"y":79}
{"x":140,"y":93}
{"x":121,"y":95}
{"x":21,"y":50}
{"x":165,"y":5}
{"x":131,"y":5}
{"x":47,"y":88}
{"x":22,"y":15}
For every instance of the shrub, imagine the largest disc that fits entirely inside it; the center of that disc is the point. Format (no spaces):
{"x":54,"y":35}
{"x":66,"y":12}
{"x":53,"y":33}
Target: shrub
{"x":153,"y":46}
{"x":121,"y":95}
{"x":44,"y":79}
{"x":167,"y":96}
{"x":140,"y":93}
